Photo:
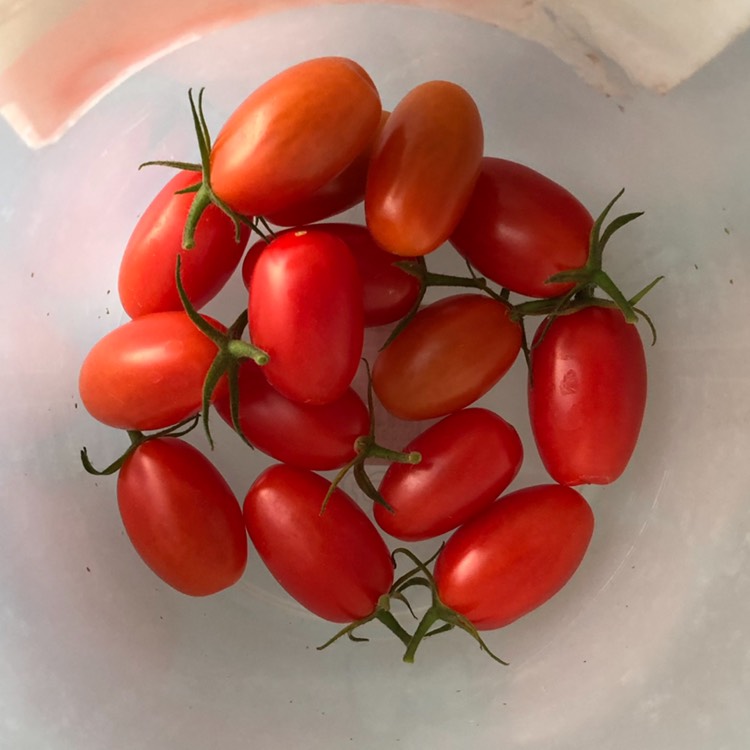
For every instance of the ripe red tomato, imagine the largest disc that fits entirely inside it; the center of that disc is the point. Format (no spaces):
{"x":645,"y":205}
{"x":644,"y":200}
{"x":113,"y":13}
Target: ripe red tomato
{"x":146,"y":281}
{"x":311,"y":437}
{"x":344,"y":191}
{"x":423,"y":169}
{"x":451,"y":353}
{"x":587,"y":395}
{"x":305,"y":310}
{"x":182,"y":517}
{"x":148,"y":373}
{"x":468,"y":459}
{"x":519,"y":228}
{"x":294,"y":134}
{"x":335,"y":564}
{"x":515,"y":555}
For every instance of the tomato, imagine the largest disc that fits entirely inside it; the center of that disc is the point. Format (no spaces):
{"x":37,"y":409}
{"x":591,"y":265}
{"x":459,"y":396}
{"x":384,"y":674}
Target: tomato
{"x":520,"y":228}
{"x":305,"y":310}
{"x":182,"y":517}
{"x":515,"y":555}
{"x":423,"y":169}
{"x":148,"y":373}
{"x":335,"y":564}
{"x":468,"y":459}
{"x":451,"y":353}
{"x":587,"y":395}
{"x":146,"y":280}
{"x":312,"y":437}
{"x":294,"y":134}
{"x":345,"y":190}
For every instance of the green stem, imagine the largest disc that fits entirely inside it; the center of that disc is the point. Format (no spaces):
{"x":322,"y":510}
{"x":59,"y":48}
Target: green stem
{"x":430,"y":617}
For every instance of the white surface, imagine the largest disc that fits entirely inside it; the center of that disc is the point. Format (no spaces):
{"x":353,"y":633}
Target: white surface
{"x":646,"y":648}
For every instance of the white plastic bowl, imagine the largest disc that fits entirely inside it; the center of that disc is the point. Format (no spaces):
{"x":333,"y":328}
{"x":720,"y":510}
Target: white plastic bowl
{"x":647,"y":647}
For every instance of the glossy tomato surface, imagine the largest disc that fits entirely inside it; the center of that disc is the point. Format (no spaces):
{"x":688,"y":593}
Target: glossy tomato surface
{"x":311,"y":437}
{"x":468,"y":459}
{"x":451,"y":353}
{"x":335,"y":564}
{"x":515,"y":555}
{"x":148,"y":373}
{"x":182,"y":517}
{"x":146,"y":281}
{"x":587,"y":395}
{"x":305,"y":311}
{"x":423,"y":168}
{"x":520,"y":227}
{"x":294,"y":134}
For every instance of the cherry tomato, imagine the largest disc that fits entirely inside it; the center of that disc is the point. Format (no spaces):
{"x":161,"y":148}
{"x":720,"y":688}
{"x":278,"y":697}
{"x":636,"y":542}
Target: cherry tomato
{"x":423,"y":169}
{"x":305,"y":310}
{"x":146,"y":281}
{"x":312,"y":437}
{"x":520,"y":228}
{"x":344,"y":191}
{"x":182,"y":517}
{"x":294,"y":134}
{"x":468,"y":459}
{"x":451,"y":353}
{"x":515,"y":555}
{"x":587,"y":395}
{"x":335,"y":564}
{"x":148,"y":373}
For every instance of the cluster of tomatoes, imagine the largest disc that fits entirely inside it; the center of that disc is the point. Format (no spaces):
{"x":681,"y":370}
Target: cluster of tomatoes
{"x":310,"y":143}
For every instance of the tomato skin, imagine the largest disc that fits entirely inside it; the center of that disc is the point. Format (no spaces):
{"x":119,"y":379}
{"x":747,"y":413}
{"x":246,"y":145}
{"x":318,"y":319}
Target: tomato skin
{"x":468,"y":459}
{"x":451,"y":353}
{"x":423,"y":169}
{"x":182,"y":517}
{"x":146,"y":281}
{"x":311,"y":437}
{"x":294,"y":134}
{"x":305,"y":310}
{"x":335,"y":564}
{"x":147,"y":374}
{"x":587,"y":396}
{"x":515,"y":555}
{"x":520,"y":228}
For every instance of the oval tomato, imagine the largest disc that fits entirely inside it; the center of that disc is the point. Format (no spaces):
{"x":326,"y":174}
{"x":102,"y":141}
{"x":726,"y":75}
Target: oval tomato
{"x":519,"y":228}
{"x":305,"y":311}
{"x":468,"y":459}
{"x":345,"y":190}
{"x":335,"y":564}
{"x":294,"y":134}
{"x":515,"y":555}
{"x":587,"y":395}
{"x":182,"y":517}
{"x":311,"y":437}
{"x":146,"y":281}
{"x":451,"y":353}
{"x":423,"y":169}
{"x":148,"y":373}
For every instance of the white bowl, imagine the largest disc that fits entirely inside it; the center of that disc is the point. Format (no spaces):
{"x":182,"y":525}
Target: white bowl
{"x":647,"y":647}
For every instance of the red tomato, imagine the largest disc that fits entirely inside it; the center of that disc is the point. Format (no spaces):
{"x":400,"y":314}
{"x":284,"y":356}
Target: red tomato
{"x":468,"y":459}
{"x":147,"y":271}
{"x":335,"y":564}
{"x":311,"y":437}
{"x":147,"y":374}
{"x":344,"y":191}
{"x":520,"y":228}
{"x":587,"y":395}
{"x":423,"y":169}
{"x":182,"y":517}
{"x":515,"y":555}
{"x":451,"y":353}
{"x":305,"y":310}
{"x":294,"y":134}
